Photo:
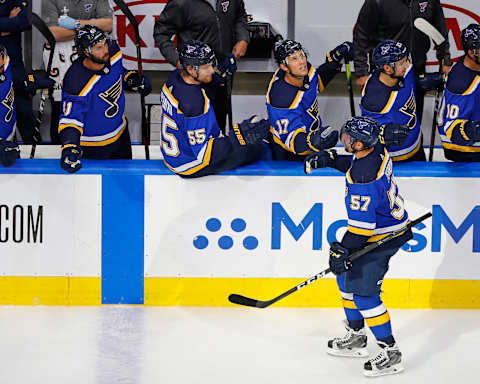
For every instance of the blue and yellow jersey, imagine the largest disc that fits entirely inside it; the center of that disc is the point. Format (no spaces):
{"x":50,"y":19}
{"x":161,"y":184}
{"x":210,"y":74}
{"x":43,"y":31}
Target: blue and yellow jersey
{"x":8,"y":116}
{"x":394,"y":104}
{"x":460,"y":103}
{"x":293,"y":111}
{"x":93,"y":102}
{"x":374,"y":207}
{"x":189,"y":126}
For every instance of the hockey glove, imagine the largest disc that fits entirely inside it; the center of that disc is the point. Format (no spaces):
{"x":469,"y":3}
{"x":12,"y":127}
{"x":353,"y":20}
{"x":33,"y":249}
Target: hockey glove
{"x":33,"y":82}
{"x":321,"y":159}
{"x":430,"y":81}
{"x":250,"y":131}
{"x":135,"y":82}
{"x":342,"y":53}
{"x":322,"y":138}
{"x":9,"y":152}
{"x":393,"y":134}
{"x":228,"y":66}
{"x":338,"y":260}
{"x":71,"y":155}
{"x":466,"y":133}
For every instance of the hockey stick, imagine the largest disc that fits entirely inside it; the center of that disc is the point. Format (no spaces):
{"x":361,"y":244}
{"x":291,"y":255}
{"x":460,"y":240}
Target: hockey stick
{"x":249,"y":302}
{"x":428,"y":29}
{"x":38,"y":23}
{"x":228,"y":84}
{"x":350,"y":89}
{"x":133,"y":21}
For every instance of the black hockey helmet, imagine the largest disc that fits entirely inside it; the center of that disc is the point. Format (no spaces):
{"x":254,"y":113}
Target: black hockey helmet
{"x":388,"y":52}
{"x":362,"y":128}
{"x":87,"y":37}
{"x":471,"y":37}
{"x":285,"y":48}
{"x":196,"y":53}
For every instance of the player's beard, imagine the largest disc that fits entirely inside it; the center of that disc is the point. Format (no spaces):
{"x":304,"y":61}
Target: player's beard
{"x":99,"y":60}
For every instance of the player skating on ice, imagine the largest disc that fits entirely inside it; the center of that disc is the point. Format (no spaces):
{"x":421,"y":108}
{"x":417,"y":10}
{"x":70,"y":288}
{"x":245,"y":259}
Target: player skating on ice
{"x":375,"y":209}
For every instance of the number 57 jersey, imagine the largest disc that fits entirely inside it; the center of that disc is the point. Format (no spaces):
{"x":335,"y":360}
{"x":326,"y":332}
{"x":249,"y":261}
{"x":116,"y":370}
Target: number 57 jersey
{"x":189,"y":126}
{"x":374,"y":207}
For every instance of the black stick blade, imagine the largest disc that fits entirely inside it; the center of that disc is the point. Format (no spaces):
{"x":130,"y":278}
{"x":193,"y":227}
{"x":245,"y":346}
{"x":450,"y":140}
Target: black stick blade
{"x":242,"y":300}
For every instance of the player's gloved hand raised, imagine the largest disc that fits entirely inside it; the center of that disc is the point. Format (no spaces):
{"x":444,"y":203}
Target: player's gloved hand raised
{"x":9,"y":152}
{"x":338,"y":260}
{"x":250,"y":131}
{"x":322,"y":138}
{"x":71,"y":155}
{"x":135,"y":82}
{"x":33,"y":82}
{"x":341,"y":53}
{"x":393,"y":134}
{"x":227,"y":66}
{"x":320,"y":159}
{"x":430,"y":81}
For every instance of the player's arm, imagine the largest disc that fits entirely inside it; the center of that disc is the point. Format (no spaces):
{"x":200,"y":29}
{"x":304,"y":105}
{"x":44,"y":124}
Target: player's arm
{"x":327,"y":159}
{"x":457,"y":114}
{"x":17,"y":21}
{"x":168,"y":23}
{"x":365,"y":29}
{"x":438,"y":21}
{"x":429,"y":81}
{"x":333,"y":63}
{"x":241,"y":34}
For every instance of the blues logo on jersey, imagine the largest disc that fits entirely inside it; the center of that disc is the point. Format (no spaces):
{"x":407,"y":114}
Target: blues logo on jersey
{"x":8,"y":115}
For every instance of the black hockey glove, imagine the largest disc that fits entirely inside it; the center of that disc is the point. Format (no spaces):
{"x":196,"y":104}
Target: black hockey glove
{"x":466,"y":133}
{"x":34,"y":82}
{"x":322,"y":138}
{"x":135,"y":82}
{"x":249,"y":131}
{"x":342,"y":53}
{"x":430,"y":81}
{"x":71,"y":155}
{"x":9,"y":152}
{"x":227,"y":66}
{"x":338,"y":260}
{"x":393,"y":134}
{"x":321,"y":159}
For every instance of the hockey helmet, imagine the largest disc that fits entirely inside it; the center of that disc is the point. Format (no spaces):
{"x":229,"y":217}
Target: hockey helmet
{"x":87,"y":37}
{"x":196,"y":53}
{"x":285,"y":48}
{"x":471,"y":37}
{"x":362,"y":128}
{"x":388,"y":52}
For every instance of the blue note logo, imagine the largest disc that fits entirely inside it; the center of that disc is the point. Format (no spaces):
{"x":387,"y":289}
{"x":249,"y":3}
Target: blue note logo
{"x":225,"y":242}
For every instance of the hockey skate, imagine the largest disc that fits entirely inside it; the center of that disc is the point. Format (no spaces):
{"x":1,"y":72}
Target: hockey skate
{"x":386,"y":362}
{"x":353,"y":344}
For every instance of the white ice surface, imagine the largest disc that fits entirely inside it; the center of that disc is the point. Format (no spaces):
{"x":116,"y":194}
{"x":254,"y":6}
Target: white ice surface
{"x":134,"y":344}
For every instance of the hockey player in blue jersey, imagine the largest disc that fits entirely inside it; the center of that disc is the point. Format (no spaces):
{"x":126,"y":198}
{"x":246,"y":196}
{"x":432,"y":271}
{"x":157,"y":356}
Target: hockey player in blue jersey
{"x":191,"y":142}
{"x":93,"y":124}
{"x":375,"y":209}
{"x":389,"y":96}
{"x":292,"y":105}
{"x":459,"y":116}
{"x":9,"y":151}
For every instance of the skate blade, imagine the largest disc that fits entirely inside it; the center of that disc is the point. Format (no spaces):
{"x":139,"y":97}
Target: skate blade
{"x":356,"y":352}
{"x":387,"y":371}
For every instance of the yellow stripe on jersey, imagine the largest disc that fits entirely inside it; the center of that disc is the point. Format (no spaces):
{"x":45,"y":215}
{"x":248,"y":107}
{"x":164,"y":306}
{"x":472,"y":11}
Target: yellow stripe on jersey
{"x":378,"y":320}
{"x":292,"y":141}
{"x":205,"y":162}
{"x":270,"y":85}
{"x":381,"y":171}
{"x":390,"y":102}
{"x":115,"y":57}
{"x":61,"y":127}
{"x":360,"y":231}
{"x":460,"y":148}
{"x":103,"y":142}
{"x":295,"y":101}
{"x":321,"y":87}
{"x":207,"y":102}
{"x":408,"y":155}
{"x":474,"y":84}
{"x":377,"y":237}
{"x":86,"y":89}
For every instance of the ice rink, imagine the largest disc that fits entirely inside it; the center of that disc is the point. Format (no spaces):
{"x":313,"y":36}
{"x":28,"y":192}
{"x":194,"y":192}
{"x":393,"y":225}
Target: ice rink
{"x":135,"y":344}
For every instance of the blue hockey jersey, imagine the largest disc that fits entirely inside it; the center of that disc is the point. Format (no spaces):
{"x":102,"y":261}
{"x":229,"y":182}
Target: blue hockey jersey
{"x":94,"y":102}
{"x":460,"y":103}
{"x":188,"y":126}
{"x":374,"y":207}
{"x":292,"y":110}
{"x":394,"y":104}
{"x":8,"y":116}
